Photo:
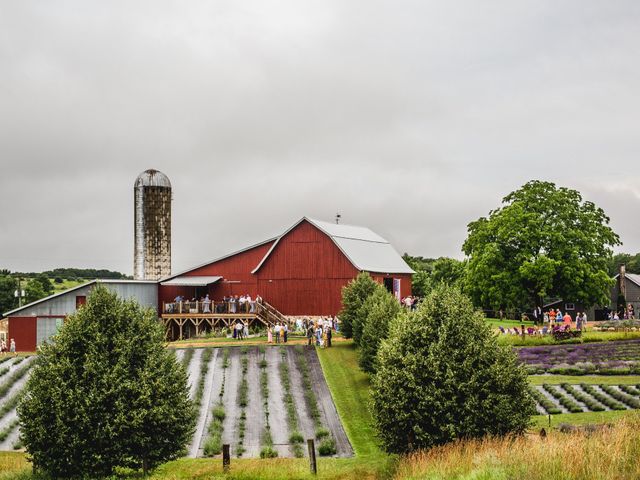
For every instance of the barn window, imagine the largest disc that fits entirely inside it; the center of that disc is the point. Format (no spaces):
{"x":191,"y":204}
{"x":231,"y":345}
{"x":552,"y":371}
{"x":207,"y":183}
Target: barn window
{"x":569,"y":306}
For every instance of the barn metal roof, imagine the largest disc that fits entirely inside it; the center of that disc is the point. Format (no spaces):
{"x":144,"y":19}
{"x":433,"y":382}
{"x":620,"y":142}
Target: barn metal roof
{"x":366,"y":250}
{"x":195,"y":281}
{"x":634,"y":277}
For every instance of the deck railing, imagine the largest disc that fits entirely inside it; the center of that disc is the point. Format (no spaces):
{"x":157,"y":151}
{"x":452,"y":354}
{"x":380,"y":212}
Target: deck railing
{"x":210,"y":307}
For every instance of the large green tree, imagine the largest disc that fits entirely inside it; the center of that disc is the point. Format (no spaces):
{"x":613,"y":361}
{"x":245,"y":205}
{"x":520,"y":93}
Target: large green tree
{"x":353,"y":296}
{"x":8,"y":286}
{"x":105,"y":393}
{"x":545,"y":241}
{"x":441,"y":376}
{"x":632,"y":263}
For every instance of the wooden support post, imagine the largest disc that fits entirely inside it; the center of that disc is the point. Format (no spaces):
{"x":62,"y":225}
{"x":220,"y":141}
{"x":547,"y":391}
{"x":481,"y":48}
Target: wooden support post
{"x":226,"y":458}
{"x":312,"y":456}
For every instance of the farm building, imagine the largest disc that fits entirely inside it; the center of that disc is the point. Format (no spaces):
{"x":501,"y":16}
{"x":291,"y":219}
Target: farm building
{"x":299,"y":273}
{"x":629,"y":285}
{"x":34,"y":323}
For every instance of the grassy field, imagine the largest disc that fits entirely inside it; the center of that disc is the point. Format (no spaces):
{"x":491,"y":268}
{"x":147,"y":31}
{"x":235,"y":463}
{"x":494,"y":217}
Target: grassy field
{"x":610,"y":453}
{"x":66,"y":284}
{"x":490,"y":459}
{"x":540,"y":421}
{"x":590,"y":379}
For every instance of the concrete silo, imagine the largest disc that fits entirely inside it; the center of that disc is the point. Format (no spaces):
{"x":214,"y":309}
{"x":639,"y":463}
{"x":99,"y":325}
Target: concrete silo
{"x":152,"y":224}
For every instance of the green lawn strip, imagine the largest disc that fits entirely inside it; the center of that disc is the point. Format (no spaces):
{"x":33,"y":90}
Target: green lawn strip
{"x":349,"y":388}
{"x":496,"y":322}
{"x":584,"y":418}
{"x":588,"y":379}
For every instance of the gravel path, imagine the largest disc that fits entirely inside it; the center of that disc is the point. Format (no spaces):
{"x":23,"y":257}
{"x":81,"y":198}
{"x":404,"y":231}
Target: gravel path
{"x":229,"y":434}
{"x":254,"y":410}
{"x":194,"y":371}
{"x":305,"y":422}
{"x":204,"y":407}
{"x":277,"y":413}
{"x":179,"y":354}
{"x":325,"y":403}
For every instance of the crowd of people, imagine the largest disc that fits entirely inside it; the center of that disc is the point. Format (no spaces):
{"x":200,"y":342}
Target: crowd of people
{"x":229,"y":304}
{"x":410,"y":302}
{"x":628,"y":313}
{"x":552,"y":320}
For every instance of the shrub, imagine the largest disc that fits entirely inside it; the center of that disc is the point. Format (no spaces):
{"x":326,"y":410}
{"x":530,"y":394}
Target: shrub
{"x":218,"y":413}
{"x":621,"y":396}
{"x":106,"y":393}
{"x":378,"y":311}
{"x":322,"y":433}
{"x":353,"y":296}
{"x":268,"y":452}
{"x":327,"y":447}
{"x":565,"y":401}
{"x":544,"y":402}
{"x":442,"y":376}
{"x":296,"y":437}
{"x":604,"y":399}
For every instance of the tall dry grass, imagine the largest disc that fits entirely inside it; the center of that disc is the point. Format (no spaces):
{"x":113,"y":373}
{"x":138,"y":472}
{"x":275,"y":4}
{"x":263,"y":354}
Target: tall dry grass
{"x":609,"y":453}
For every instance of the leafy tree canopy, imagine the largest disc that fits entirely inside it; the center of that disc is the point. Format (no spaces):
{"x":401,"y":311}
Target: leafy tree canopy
{"x":105,"y":393}
{"x":431,"y":272}
{"x":353,"y":296}
{"x":380,"y":308}
{"x":442,"y":376}
{"x":632,"y":263}
{"x":545,"y":241}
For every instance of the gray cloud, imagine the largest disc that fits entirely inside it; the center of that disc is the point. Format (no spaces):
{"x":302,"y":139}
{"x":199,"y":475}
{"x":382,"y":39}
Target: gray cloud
{"x":412,"y":118}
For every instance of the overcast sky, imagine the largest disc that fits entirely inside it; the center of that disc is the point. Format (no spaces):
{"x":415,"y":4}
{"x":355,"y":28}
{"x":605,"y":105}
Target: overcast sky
{"x":410,"y":117}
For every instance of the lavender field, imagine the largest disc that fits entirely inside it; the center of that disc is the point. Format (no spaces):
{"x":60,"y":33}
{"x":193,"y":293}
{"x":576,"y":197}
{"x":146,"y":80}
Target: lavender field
{"x":606,"y":358}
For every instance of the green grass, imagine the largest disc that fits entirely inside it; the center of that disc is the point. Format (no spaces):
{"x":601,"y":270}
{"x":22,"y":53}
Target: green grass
{"x":583,"y":418}
{"x":66,"y":285}
{"x":589,"y":379}
{"x":496,"y":322}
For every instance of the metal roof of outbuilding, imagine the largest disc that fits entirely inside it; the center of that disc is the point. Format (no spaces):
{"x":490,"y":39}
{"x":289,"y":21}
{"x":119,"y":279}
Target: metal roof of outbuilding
{"x":195,"y":281}
{"x":77,"y":287}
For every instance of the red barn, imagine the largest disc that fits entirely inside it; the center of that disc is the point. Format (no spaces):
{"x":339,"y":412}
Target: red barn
{"x":301,"y":272}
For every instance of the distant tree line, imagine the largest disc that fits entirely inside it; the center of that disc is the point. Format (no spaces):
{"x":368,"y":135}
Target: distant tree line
{"x":40,"y":285}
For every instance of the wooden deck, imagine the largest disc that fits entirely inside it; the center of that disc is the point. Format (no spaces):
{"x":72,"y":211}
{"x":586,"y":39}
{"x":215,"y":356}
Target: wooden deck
{"x":179,"y":326}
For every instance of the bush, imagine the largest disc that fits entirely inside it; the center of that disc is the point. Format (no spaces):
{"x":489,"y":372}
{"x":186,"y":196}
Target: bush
{"x":442,"y":376}
{"x":378,"y":310}
{"x":105,"y":394}
{"x":327,"y":447}
{"x":353,"y":296}
{"x":296,"y":437}
{"x":268,"y":452}
{"x":322,"y":433}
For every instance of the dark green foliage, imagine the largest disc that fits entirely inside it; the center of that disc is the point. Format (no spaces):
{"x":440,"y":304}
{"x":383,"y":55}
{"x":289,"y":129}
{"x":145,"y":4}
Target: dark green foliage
{"x":631,"y":262}
{"x":204,"y":369}
{"x":431,"y":272}
{"x":353,"y":296}
{"x":268,"y":452}
{"x":44,"y":281}
{"x":322,"y":433}
{"x":327,"y":447}
{"x":544,"y":242}
{"x":621,"y":396}
{"x":442,"y":376}
{"x":8,"y":286}
{"x":186,"y":358}
{"x":380,"y":307}
{"x":105,"y":394}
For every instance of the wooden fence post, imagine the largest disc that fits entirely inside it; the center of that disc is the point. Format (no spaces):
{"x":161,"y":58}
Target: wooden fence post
{"x":312,"y":456}
{"x":226,"y":458}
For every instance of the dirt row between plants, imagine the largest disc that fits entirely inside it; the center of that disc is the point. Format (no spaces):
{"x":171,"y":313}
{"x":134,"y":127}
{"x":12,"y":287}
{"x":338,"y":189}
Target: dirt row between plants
{"x":251,"y":441}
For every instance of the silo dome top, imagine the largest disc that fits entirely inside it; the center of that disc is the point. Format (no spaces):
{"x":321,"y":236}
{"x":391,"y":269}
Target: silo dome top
{"x":152,"y":178}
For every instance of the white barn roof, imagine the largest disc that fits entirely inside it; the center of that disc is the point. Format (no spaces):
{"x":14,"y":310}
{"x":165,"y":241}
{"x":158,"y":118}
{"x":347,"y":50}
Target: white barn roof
{"x":366,"y":250}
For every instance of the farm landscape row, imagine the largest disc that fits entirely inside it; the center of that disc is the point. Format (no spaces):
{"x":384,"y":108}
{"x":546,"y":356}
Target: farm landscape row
{"x":262,"y":401}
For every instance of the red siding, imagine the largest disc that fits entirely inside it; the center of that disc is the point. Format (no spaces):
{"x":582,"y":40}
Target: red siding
{"x":235,"y":270}
{"x":23,"y":331}
{"x":305,"y":273}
